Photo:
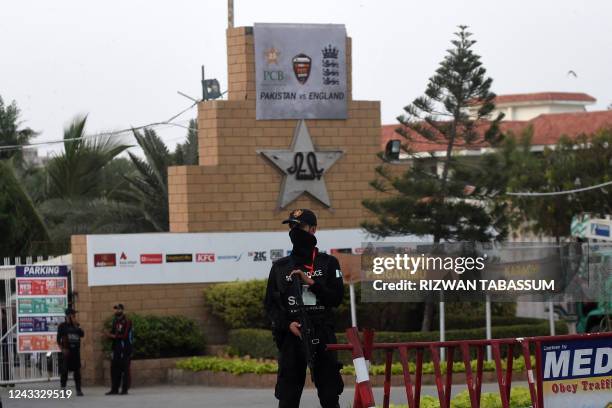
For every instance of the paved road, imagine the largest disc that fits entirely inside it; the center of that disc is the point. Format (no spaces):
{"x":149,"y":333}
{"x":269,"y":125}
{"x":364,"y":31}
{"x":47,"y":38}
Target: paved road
{"x":193,"y":396}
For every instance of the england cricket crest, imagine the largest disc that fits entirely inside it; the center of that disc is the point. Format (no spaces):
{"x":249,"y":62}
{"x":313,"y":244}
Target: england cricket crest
{"x":301,"y":67}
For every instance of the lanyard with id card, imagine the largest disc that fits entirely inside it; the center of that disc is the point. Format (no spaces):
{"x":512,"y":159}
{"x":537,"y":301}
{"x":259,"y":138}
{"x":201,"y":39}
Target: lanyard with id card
{"x":309,"y":298}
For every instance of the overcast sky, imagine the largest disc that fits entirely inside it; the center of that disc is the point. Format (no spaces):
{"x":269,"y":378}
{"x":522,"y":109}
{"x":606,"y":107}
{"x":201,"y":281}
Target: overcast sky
{"x":122,"y":62}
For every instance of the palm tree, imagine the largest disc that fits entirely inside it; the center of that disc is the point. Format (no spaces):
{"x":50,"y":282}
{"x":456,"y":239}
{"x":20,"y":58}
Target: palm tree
{"x":150,"y":184}
{"x":20,"y":223}
{"x":80,"y":198}
{"x":187,"y":153}
{"x":10,"y":132}
{"x":77,"y":173}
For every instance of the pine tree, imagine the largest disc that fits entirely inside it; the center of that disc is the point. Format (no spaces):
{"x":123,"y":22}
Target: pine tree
{"x":443,"y":204}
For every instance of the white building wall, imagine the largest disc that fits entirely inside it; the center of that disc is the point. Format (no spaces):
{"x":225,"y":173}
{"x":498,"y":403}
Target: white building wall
{"x":525,"y":111}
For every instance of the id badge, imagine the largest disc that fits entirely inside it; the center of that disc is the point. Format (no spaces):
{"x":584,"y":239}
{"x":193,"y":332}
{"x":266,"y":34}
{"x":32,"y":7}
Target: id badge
{"x":308,"y":298}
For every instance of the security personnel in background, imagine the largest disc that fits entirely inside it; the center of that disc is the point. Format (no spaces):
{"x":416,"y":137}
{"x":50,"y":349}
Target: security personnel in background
{"x":322,"y":290}
{"x":121,"y":334}
{"x":69,"y":334}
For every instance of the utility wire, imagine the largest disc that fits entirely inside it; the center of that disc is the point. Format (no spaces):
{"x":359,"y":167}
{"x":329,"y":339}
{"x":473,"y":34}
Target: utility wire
{"x":110,"y":134}
{"x":555,"y":193}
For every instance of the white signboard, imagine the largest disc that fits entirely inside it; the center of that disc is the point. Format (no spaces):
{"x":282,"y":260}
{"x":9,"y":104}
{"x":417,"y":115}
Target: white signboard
{"x":132,"y":259}
{"x":300,"y":71}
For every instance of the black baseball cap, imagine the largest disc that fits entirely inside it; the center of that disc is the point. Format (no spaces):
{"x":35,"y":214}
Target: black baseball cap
{"x":118,"y":306}
{"x":301,"y":216}
{"x":70,"y":311}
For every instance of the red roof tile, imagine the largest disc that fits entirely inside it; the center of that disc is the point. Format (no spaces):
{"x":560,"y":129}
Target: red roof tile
{"x":545,"y":96}
{"x":547,"y":129}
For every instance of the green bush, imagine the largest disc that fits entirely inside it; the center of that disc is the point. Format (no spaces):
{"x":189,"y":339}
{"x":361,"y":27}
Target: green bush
{"x":519,"y":396}
{"x":239,"y":304}
{"x":235,"y":366}
{"x":518,"y":365}
{"x":163,"y":336}
{"x":258,"y":343}
{"x":454,"y":322}
{"x":241,"y":365}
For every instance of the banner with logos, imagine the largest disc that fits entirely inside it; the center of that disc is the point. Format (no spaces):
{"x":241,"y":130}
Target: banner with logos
{"x":300,"y":71}
{"x":42,"y":297}
{"x":133,"y":259}
{"x":577,"y":373}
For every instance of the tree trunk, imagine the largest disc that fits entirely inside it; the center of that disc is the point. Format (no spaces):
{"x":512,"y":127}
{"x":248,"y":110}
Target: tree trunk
{"x":428,"y":315}
{"x":428,"y":312}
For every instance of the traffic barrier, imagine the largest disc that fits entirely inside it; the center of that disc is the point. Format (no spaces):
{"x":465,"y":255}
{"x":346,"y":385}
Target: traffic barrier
{"x":364,"y":396}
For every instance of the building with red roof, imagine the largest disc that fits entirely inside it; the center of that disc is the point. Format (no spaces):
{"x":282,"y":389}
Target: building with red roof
{"x":550,"y":115}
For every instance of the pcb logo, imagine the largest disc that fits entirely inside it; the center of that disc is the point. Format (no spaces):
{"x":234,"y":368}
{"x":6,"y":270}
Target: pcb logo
{"x":301,"y":67}
{"x":272,"y":55}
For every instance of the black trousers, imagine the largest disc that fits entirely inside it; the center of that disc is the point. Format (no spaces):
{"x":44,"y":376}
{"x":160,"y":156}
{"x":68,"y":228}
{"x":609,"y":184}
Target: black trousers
{"x":72,"y":362}
{"x":120,"y":372}
{"x":292,"y":371}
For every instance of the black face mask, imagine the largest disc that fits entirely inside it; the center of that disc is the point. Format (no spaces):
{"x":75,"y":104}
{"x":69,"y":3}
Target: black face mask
{"x":303,"y":244}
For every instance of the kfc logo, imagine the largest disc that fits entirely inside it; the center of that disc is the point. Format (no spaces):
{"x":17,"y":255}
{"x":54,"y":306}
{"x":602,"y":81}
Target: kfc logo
{"x":209,"y":257}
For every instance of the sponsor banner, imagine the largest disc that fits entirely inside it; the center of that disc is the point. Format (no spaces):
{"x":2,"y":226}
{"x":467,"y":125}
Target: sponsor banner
{"x":40,"y":287}
{"x":300,"y":71}
{"x":201,"y":257}
{"x":577,"y":373}
{"x":179,"y":258}
{"x":151,"y":258}
{"x":105,"y":260}
{"x":125,"y":261}
{"x":41,"y":306}
{"x":41,"y":271}
{"x":37,"y":343}
{"x":206,"y":257}
{"x":39,"y":324}
{"x":276,"y":254}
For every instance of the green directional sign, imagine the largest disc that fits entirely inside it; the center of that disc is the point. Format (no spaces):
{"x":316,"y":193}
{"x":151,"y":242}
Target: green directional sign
{"x":47,"y":306}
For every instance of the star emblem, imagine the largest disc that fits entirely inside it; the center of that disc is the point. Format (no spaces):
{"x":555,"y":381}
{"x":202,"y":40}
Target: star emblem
{"x":303,"y":167}
{"x":272,"y":55}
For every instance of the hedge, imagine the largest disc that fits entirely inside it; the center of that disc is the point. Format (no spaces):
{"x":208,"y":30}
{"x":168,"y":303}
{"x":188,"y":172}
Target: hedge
{"x":519,"y":398}
{"x":240,"y":306}
{"x":242,"y":365}
{"x":460,"y":322}
{"x":258,"y":343}
{"x":235,"y":366}
{"x":163,"y":336}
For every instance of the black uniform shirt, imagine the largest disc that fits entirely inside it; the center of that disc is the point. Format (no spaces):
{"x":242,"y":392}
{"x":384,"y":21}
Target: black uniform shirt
{"x":69,"y":336}
{"x":326,"y":293}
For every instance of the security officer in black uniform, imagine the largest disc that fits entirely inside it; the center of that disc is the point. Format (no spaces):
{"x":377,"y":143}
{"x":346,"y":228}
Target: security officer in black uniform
{"x":69,"y":334}
{"x":322,"y":290}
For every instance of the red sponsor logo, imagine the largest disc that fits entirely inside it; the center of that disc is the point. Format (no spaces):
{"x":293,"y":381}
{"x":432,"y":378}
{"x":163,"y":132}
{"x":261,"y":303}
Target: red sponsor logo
{"x":151,"y":258}
{"x":123,"y":256}
{"x":101,"y":260}
{"x":205,"y":257}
